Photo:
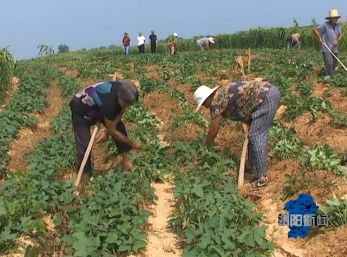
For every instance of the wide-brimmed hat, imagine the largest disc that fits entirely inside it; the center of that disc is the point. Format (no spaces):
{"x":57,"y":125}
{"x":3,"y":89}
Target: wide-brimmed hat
{"x":211,"y":39}
{"x":202,"y":93}
{"x":333,"y":13}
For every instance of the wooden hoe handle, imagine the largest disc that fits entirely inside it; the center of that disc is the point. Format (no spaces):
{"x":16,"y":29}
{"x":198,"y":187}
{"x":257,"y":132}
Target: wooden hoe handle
{"x":86,"y":155}
{"x":243,"y":162}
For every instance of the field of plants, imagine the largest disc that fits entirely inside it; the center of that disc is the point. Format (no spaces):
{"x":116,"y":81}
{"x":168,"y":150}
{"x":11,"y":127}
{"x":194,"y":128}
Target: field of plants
{"x":120,"y":213}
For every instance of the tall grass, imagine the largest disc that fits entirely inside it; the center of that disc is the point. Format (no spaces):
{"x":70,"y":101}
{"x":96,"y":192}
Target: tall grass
{"x":254,"y":38}
{"x":6,"y":71}
{"x":263,"y":38}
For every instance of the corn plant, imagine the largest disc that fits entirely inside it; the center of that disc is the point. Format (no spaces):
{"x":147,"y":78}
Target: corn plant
{"x":45,"y":50}
{"x":6,"y":70}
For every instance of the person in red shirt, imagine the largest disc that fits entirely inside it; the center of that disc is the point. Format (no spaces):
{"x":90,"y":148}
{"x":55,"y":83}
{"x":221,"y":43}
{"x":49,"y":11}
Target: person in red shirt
{"x":126,"y":43}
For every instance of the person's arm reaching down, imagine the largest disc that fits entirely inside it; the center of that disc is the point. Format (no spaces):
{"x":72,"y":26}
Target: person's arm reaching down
{"x":213,"y":130}
{"x":111,"y":129}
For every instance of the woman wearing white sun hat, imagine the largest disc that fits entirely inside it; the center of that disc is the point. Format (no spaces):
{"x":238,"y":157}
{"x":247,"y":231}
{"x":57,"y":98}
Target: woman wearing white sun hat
{"x":205,"y":43}
{"x":254,"y":103}
{"x":329,"y":33}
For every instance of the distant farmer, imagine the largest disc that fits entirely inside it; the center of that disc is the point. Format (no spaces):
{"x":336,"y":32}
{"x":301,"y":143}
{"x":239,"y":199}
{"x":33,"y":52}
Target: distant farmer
{"x":294,"y":41}
{"x":205,"y":43}
{"x":126,"y":43}
{"x":153,"y":39}
{"x":329,"y":33}
{"x":254,"y":103}
{"x":172,"y":43}
{"x":141,"y":43}
{"x":104,"y":102}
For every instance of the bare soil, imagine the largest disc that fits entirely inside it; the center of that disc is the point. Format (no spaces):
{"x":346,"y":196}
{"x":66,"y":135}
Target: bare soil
{"x":312,"y":132}
{"x":116,"y":75}
{"x":23,"y":242}
{"x":335,"y":95}
{"x":332,"y":243}
{"x":163,"y":107}
{"x":70,"y":73}
{"x":152,"y":71}
{"x":161,"y":240}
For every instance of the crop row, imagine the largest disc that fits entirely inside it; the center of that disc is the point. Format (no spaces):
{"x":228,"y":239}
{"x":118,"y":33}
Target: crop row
{"x":107,"y":220}
{"x":30,"y":98}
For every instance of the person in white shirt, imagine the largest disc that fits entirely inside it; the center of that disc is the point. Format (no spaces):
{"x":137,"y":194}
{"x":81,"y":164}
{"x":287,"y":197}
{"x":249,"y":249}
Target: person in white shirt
{"x":294,"y":41}
{"x":141,"y":43}
{"x":205,"y":43}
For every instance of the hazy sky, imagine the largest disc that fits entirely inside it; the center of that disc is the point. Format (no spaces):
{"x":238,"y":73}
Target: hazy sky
{"x":24,"y":24}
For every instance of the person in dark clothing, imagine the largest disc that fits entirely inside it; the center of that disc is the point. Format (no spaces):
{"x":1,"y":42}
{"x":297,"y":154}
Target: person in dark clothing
{"x":153,"y":39}
{"x":104,"y":102}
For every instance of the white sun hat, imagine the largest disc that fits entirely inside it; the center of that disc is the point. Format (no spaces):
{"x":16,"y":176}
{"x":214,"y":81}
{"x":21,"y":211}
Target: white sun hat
{"x":201,"y":94}
{"x":333,"y":13}
{"x":175,"y":34}
{"x":211,"y":39}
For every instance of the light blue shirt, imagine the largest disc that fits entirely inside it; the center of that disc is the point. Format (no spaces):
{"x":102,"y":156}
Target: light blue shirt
{"x":329,"y":35}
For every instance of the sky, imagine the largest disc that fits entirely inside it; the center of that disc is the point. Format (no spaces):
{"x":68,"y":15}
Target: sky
{"x":90,"y":23}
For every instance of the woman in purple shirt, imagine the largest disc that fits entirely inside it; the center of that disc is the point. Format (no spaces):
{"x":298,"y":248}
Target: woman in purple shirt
{"x":329,"y":33}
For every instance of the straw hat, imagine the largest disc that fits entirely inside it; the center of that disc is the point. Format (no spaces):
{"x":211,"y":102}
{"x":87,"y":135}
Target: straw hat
{"x":333,"y":13}
{"x":211,"y":39}
{"x":201,"y":94}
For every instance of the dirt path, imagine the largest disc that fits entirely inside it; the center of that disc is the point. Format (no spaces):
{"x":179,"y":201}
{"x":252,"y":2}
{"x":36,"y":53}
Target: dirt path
{"x":28,"y":138}
{"x":279,"y":234}
{"x":161,"y":241}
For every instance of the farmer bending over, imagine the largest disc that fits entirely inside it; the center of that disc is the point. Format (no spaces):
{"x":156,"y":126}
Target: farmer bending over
{"x":105,"y":102}
{"x":205,"y":43}
{"x":254,"y":103}
{"x":294,"y":41}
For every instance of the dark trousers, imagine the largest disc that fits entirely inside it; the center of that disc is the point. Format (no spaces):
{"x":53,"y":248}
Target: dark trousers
{"x":81,"y":128}
{"x":141,"y":49}
{"x":330,"y":63}
{"x":153,"y":48}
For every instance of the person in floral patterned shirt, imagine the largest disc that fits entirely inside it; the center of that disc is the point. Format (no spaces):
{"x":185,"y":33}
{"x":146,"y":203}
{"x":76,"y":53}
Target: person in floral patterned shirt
{"x":254,"y":103}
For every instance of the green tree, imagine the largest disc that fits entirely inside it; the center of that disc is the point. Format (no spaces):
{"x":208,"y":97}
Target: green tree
{"x":63,"y":48}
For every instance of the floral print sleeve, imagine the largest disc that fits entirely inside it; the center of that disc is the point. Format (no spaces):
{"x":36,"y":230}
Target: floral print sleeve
{"x":220,"y":101}
{"x":239,"y":100}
